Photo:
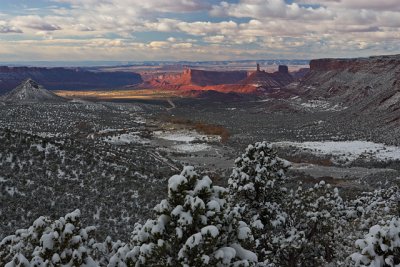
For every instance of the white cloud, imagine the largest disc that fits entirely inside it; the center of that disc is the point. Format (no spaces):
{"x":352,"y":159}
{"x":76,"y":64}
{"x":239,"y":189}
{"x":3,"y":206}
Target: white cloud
{"x":214,"y":39}
{"x":35,"y":22}
{"x":159,"y":44}
{"x":243,"y":28}
{"x":162,"y":6}
{"x":269,"y":9}
{"x":182,"y":45}
{"x":9,"y":29}
{"x":388,"y":5}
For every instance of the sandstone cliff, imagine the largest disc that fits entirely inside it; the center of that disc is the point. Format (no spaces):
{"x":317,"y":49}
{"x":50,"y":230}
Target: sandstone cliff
{"x":193,"y":77}
{"x":222,"y":81}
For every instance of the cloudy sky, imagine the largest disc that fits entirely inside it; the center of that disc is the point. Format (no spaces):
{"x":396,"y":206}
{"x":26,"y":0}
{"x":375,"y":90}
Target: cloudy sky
{"x":130,"y":30}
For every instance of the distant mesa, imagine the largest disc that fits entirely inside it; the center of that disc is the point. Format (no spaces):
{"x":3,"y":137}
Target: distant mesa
{"x":199,"y":78}
{"x":30,"y":91}
{"x":222,"y":81}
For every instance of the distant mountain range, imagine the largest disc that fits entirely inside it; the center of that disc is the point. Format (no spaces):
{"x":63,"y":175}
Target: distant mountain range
{"x":49,"y":64}
{"x":66,"y":79}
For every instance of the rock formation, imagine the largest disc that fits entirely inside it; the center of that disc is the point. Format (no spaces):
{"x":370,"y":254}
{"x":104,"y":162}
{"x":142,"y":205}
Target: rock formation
{"x":269,"y":81}
{"x":283,"y":69}
{"x":193,"y":77}
{"x":367,"y":84}
{"x":30,"y":91}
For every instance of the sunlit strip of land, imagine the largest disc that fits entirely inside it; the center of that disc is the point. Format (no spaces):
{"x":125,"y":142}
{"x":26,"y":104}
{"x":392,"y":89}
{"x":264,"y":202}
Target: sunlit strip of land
{"x":120,"y":94}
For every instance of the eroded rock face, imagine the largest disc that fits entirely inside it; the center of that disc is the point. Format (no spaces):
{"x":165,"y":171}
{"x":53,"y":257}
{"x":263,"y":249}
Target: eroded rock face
{"x":267,"y":80}
{"x":354,"y":64}
{"x":200,"y":78}
{"x":222,"y":81}
{"x":366,"y":84}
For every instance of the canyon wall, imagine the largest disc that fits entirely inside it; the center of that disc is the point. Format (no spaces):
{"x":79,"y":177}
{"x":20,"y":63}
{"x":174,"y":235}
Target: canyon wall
{"x":366,"y":84}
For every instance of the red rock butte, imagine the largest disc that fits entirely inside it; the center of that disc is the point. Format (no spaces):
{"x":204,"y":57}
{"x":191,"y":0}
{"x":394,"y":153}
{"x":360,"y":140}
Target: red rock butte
{"x":223,"y":81}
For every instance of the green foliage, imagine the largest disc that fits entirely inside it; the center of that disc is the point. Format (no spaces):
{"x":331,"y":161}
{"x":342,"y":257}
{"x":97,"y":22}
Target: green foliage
{"x":194,"y":226}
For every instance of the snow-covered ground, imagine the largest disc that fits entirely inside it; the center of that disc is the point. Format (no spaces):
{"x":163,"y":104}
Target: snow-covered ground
{"x":321,"y":105}
{"x":185,"y":136}
{"x":128,"y":138}
{"x":191,"y":147}
{"x":187,"y":140}
{"x":348,"y":150}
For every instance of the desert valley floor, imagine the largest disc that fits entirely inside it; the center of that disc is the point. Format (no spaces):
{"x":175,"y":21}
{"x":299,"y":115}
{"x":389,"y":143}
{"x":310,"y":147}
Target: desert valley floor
{"x":121,"y":154}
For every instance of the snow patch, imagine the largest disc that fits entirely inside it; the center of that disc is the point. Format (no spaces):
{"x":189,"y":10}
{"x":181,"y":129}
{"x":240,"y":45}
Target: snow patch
{"x":127,"y":138}
{"x":348,"y":150}
{"x":191,"y":147}
{"x":322,"y":105}
{"x":185,"y":136}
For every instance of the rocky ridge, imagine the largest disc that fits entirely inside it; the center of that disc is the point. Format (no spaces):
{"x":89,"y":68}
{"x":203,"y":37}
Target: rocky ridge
{"x":31,"y":91}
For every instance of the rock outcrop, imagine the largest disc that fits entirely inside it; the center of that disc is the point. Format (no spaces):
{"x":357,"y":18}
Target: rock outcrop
{"x":300,"y":73}
{"x":65,"y":78}
{"x":269,"y":81}
{"x":31,"y":92}
{"x":222,"y":81}
{"x":193,"y":77}
{"x":367,"y":84}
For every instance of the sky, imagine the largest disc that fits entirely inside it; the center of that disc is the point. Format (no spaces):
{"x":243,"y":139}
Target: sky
{"x":196,"y":30}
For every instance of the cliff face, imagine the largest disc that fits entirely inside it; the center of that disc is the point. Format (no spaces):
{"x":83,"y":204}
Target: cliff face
{"x":206,"y":78}
{"x":65,"y":79}
{"x":192,"y":77}
{"x":267,"y":80}
{"x":202,"y":80}
{"x":223,"y":81}
{"x":369,"y":84}
{"x":355,"y":64}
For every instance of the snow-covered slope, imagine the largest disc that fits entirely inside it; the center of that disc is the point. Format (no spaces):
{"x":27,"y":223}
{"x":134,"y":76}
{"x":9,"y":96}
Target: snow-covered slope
{"x":30,"y":91}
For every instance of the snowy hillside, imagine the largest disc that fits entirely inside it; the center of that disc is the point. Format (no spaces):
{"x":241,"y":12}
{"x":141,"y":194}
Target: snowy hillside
{"x":30,"y":91}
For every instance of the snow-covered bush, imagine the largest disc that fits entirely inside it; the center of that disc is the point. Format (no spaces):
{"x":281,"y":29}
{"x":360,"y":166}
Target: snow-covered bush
{"x":371,"y":207}
{"x":312,"y":228}
{"x":194,"y":226}
{"x":290,"y":227}
{"x":103,"y":252}
{"x":258,"y":175}
{"x":256,"y":188}
{"x":365,"y":211}
{"x":62,"y":242}
{"x":380,"y":247}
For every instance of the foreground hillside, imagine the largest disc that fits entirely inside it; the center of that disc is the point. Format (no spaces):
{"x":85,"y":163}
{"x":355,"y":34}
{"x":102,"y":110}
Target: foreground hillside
{"x":50,"y":162}
{"x":256,"y":221}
